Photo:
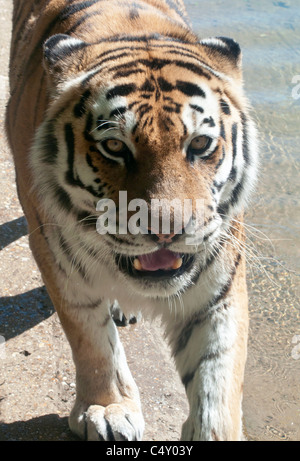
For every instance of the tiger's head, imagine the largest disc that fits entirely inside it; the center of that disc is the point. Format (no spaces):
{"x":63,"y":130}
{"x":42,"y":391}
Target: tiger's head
{"x":159,"y":120}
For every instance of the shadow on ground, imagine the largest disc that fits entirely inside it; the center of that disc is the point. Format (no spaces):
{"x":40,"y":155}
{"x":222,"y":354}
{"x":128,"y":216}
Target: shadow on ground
{"x":22,"y":312}
{"x":25,"y":310}
{"x":46,"y":428}
{"x":12,"y":231}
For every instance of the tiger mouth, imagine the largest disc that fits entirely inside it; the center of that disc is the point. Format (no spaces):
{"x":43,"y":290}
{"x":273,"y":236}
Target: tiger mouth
{"x":160,"y":265}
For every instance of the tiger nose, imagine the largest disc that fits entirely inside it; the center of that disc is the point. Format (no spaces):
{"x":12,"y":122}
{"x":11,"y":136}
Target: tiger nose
{"x":165,"y":238}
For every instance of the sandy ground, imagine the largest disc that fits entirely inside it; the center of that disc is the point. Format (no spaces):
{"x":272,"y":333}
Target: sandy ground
{"x":36,"y":370}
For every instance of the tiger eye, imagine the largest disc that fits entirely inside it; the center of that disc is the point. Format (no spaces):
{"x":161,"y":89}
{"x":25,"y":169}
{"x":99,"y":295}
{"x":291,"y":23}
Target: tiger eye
{"x":114,"y":145}
{"x":199,"y":143}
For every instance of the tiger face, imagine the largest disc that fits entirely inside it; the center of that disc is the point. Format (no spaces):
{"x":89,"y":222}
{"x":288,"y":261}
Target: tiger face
{"x":169,"y":123}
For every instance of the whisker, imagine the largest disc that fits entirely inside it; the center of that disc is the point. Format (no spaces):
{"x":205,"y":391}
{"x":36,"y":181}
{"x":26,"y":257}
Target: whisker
{"x":103,"y":123}
{"x":252,"y":256}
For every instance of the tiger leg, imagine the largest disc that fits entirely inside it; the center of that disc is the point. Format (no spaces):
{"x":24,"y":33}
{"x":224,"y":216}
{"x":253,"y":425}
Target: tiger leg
{"x":107,"y":405}
{"x":210,"y":356}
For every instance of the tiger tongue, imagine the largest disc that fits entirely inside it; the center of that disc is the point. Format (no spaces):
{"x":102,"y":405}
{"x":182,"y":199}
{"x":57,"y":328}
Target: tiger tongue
{"x":162,"y":259}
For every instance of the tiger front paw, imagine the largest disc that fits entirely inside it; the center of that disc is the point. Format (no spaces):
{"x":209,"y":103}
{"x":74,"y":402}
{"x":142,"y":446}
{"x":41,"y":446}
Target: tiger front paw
{"x":116,"y":422}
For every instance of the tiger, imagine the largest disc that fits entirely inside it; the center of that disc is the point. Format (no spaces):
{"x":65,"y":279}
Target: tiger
{"x":118,"y":96}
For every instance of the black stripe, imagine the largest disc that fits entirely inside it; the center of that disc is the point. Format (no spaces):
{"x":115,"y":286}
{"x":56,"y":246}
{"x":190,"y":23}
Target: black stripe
{"x":172,"y":47}
{"x":147,"y":39}
{"x":235,"y":195}
{"x":186,"y":52}
{"x":80,"y":108}
{"x":135,"y":128}
{"x":157,"y":64}
{"x":73,"y":9}
{"x":245,"y":139}
{"x":114,"y":57}
{"x":164,"y":85}
{"x":63,"y":198}
{"x":202,"y":316}
{"x":50,"y":145}
{"x":189,"y":89}
{"x":233,"y":101}
{"x":233,"y":141}
{"x":119,"y":111}
{"x":205,"y":70}
{"x":121,"y":90}
{"x":82,"y":20}
{"x":70,"y":142}
{"x":114,"y":50}
{"x":65,"y":247}
{"x":70,"y":176}
{"x":89,"y":161}
{"x":222,"y":131}
{"x":169,"y":121}
{"x":172,"y":109}
{"x":233,"y":171}
{"x":225,"y":107}
{"x":90,"y":251}
{"x":188,"y":377}
{"x":127,"y":73}
{"x":209,"y":261}
{"x":184,"y":127}
{"x":71,"y":258}
{"x":197,"y":319}
{"x":86,"y":220}
{"x":164,"y":124}
{"x":225,"y":289}
{"x":89,"y":77}
{"x":147,"y":86}
{"x":88,"y":127}
{"x":195,"y":69}
{"x":233,"y":174}
{"x":223,"y":209}
{"x":144,"y":109}
{"x":197,"y":108}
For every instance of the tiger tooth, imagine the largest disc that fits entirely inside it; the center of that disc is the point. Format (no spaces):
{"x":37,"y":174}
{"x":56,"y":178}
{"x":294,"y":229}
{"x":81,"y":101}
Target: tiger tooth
{"x":177,"y":264}
{"x":137,"y":265}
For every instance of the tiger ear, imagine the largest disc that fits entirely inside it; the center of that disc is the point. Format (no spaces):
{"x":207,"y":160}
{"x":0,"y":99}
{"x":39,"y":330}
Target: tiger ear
{"x":225,"y":54}
{"x":59,"y":51}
